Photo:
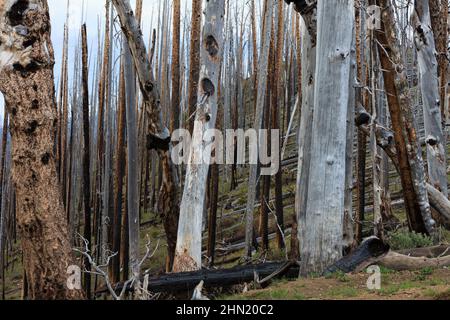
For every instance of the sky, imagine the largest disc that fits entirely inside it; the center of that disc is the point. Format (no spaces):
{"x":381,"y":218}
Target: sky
{"x":90,"y":12}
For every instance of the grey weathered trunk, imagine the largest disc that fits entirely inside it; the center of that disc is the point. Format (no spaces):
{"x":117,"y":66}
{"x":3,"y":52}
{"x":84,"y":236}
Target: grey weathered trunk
{"x":321,"y":237}
{"x":133,"y":174}
{"x":429,"y":83}
{"x":188,"y":254}
{"x":304,"y":135}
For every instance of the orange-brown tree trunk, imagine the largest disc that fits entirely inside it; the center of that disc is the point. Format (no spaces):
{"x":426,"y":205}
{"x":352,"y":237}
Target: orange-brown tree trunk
{"x":194,"y":60}
{"x":28,"y":86}
{"x":409,"y":155}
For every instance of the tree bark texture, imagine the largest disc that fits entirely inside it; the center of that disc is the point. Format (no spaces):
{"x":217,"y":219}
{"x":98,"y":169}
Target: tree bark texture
{"x":28,"y":87}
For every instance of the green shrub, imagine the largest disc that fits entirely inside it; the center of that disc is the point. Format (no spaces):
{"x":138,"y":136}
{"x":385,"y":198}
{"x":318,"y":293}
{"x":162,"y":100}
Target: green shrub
{"x":403,"y":239}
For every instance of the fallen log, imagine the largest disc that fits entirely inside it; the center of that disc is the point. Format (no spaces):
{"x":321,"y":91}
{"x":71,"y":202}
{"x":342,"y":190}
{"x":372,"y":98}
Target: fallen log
{"x":439,"y":202}
{"x":187,"y":281}
{"x":373,"y":251}
{"x":429,"y":252}
{"x":400,"y":262}
{"x":367,"y":253}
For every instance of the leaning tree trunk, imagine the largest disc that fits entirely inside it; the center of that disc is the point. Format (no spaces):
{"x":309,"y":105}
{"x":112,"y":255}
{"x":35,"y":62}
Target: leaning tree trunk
{"x":410,"y":162}
{"x":429,"y":82}
{"x":28,"y":87}
{"x":321,"y":228}
{"x":188,"y":254}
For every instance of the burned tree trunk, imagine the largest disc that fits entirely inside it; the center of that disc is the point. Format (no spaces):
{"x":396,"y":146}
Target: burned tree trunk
{"x":27,"y":84}
{"x":175,"y":112}
{"x":188,"y":255}
{"x":86,"y":158}
{"x":194,"y":61}
{"x":120,"y":173}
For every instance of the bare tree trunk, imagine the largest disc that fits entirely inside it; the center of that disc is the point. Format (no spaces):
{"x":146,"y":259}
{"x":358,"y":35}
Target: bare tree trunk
{"x":304,"y":134}
{"x":276,"y":89}
{"x":194,"y":61}
{"x":212,"y":222}
{"x":376,"y":158}
{"x":410,"y":161}
{"x":175,"y":114}
{"x":86,"y":159}
{"x":120,"y":173}
{"x":349,"y":221}
{"x":64,"y":111}
{"x":28,"y":87}
{"x":262,"y":87}
{"x":322,"y":226}
{"x":362,"y":138}
{"x":295,"y":245}
{"x":429,"y":82}
{"x":158,"y":136}
{"x":100,"y":157}
{"x":4,"y":143}
{"x":189,"y":243}
{"x":439,"y":24}
{"x":132,"y":165}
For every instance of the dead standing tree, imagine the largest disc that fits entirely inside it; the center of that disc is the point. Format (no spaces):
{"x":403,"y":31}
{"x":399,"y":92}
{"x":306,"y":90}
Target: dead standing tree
{"x":321,"y":227}
{"x":410,"y":162}
{"x":158,"y":136}
{"x":258,"y":124}
{"x":188,"y":255}
{"x":27,"y":82}
{"x":429,"y":82}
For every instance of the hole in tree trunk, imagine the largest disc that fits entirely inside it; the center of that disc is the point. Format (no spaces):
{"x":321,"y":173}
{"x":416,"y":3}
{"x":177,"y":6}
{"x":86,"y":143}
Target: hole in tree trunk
{"x":207,"y":87}
{"x":211,"y":46}
{"x":15,"y":14}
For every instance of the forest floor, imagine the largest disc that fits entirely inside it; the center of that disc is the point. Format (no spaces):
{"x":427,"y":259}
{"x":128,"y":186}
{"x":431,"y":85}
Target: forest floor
{"x":426,"y":284}
{"x":423,"y":284}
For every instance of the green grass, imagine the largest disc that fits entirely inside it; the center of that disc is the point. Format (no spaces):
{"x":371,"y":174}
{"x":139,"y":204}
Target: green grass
{"x":344,"y":292}
{"x":338,"y":275}
{"x":403,"y":239}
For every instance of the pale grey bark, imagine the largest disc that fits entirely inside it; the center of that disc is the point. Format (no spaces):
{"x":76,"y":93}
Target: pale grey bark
{"x":188,"y":255}
{"x":262,"y":87}
{"x":321,"y":236}
{"x":429,"y":83}
{"x":305,"y":129}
